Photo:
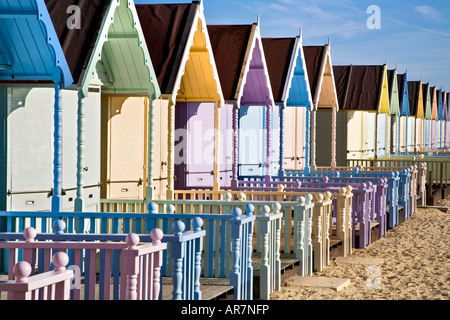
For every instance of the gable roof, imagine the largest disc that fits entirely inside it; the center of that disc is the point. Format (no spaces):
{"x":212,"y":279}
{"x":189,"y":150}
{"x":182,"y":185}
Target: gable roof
{"x":108,"y":43}
{"x":439,"y":104}
{"x":278,"y":52}
{"x":78,"y":43}
{"x":166,"y":28}
{"x":444,"y":105}
{"x":426,"y":96}
{"x":403,"y":98}
{"x":314,"y":56}
{"x":434,"y":103}
{"x":393,"y":91}
{"x":179,"y":44}
{"x":321,"y":76}
{"x":359,"y":87}
{"x":230,"y":44}
{"x":29,"y":47}
{"x":415,"y":94}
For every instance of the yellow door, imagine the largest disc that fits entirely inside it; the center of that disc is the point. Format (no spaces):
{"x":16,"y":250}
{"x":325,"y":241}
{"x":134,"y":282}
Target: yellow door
{"x":127,"y":134}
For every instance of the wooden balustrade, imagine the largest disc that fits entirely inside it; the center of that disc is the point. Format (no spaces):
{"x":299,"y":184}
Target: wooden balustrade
{"x":52,"y":285}
{"x":227,"y":244}
{"x":128,"y":268}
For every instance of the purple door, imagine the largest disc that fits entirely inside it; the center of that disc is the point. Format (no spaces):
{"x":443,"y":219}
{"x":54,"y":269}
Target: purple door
{"x":194,"y":145}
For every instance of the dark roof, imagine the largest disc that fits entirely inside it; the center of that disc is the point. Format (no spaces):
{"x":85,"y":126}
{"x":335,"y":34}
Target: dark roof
{"x":391,"y":78}
{"x":229,"y":45}
{"x":401,"y":88}
{"x":413,"y":95}
{"x":278,"y":53}
{"x":166,"y":29}
{"x":358,"y":87}
{"x":313,"y":61}
{"x":77,"y":44}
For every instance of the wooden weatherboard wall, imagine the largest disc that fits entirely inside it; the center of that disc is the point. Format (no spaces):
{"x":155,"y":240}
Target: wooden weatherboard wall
{"x":180,"y":48}
{"x":363,"y":96}
{"x":31,"y":51}
{"x":403,"y":101}
{"x":108,"y":58}
{"x":290,"y":85}
{"x":324,"y":105}
{"x":394,"y":110}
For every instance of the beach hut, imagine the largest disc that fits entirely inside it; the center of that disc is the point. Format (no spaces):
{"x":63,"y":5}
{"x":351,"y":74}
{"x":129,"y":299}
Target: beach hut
{"x":416,"y":115}
{"x":290,"y":85}
{"x":33,"y":72}
{"x":325,"y":106}
{"x":363,"y":96}
{"x":445,"y":130}
{"x":187,"y":115}
{"x":439,"y":122}
{"x":403,"y":101}
{"x":434,"y":117}
{"x":108,"y":122}
{"x":426,"y":134}
{"x":240,"y":57}
{"x":394,"y":110}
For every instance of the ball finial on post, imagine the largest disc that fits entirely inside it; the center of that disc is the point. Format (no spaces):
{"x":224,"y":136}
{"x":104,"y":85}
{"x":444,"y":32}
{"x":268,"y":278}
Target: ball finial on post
{"x":178,"y":227}
{"x":59,"y":226}
{"x":132,"y":240}
{"x":156,"y":235}
{"x":22,"y":271}
{"x":29,"y":234}
{"x":152,"y":207}
{"x":236,"y":212}
{"x":249,"y":209}
{"x":197,"y":223}
{"x":60,"y":260}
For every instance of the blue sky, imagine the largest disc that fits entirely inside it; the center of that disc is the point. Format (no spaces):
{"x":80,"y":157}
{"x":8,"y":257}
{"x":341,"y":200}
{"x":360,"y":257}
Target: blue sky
{"x":414,"y":35}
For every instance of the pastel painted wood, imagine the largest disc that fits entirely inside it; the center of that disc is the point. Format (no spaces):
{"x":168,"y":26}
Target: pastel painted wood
{"x":186,"y":72}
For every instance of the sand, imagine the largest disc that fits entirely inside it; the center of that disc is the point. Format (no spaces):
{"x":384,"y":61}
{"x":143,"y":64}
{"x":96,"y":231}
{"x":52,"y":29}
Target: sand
{"x":415,"y":266}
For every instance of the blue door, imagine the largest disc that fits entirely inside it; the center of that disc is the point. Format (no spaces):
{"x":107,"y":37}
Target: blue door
{"x":252,"y":140}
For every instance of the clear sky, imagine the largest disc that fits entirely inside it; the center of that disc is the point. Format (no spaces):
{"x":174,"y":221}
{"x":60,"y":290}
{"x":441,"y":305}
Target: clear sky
{"x":413,"y":35}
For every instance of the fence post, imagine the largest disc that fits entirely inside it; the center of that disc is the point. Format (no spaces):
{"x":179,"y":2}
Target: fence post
{"x":156,"y":235}
{"x":131,"y":264}
{"x":236,"y":235}
{"x":422,"y":182}
{"x":317,"y":233}
{"x":29,"y":254}
{"x":265,"y":268}
{"x":178,"y":253}
{"x":197,"y":224}
{"x":62,"y":289}
{"x":277,"y":264}
{"x":21,"y":271}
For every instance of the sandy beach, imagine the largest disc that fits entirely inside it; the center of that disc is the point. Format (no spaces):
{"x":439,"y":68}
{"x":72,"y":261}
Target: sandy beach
{"x":416,"y":265}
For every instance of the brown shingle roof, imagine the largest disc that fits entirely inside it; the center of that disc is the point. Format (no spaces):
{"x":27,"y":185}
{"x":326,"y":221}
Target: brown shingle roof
{"x":359,"y":87}
{"x":229,"y":44}
{"x":278,"y":53}
{"x":78,"y":44}
{"x":166,"y":28}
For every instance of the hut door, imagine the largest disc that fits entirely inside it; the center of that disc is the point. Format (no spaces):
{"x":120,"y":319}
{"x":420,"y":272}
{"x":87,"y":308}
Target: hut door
{"x":354,"y":135}
{"x":275,"y":141}
{"x":127,"y":147}
{"x":290,"y":138}
{"x":226,"y":145}
{"x":252,"y":140}
{"x":194,"y":146}
{"x":381,"y":134}
{"x":160,"y":132}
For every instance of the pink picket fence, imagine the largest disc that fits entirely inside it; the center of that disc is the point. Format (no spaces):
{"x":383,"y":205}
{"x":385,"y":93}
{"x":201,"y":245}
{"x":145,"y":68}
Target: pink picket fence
{"x":131,"y":267}
{"x":52,"y":285}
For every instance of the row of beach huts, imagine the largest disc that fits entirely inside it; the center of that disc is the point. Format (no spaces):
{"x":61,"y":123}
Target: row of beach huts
{"x":145,"y":154}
